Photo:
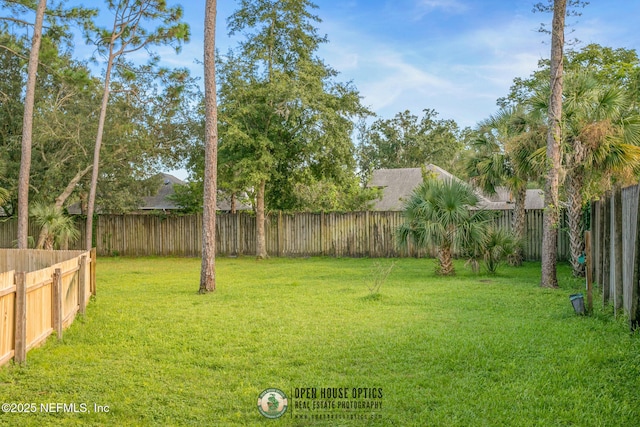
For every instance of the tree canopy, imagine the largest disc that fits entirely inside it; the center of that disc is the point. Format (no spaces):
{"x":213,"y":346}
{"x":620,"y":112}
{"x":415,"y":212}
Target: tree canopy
{"x":409,"y":141}
{"x":149,"y":125}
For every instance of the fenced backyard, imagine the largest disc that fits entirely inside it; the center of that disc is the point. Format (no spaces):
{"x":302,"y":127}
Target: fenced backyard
{"x":354,"y":234}
{"x":40,"y":292}
{"x":446,"y":351}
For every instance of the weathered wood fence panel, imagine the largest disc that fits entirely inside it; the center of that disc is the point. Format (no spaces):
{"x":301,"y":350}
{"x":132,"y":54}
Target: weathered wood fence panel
{"x":532,"y":245}
{"x":608,"y":218}
{"x":7,"y":316}
{"x":38,"y":296}
{"x":354,"y":234}
{"x":629,"y":232}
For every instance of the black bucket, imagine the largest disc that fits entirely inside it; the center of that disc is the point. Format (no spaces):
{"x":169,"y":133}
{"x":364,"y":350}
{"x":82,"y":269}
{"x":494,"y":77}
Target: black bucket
{"x":577,"y":300}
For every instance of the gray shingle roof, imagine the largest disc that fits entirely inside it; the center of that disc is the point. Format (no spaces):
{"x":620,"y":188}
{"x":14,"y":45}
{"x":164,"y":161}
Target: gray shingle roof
{"x":159,"y":201}
{"x":397,"y":185}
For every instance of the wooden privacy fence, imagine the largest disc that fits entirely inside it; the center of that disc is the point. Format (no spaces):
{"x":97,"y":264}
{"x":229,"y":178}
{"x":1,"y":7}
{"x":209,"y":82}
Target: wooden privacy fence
{"x":40,"y":292}
{"x":355,"y":234}
{"x":616,"y":251}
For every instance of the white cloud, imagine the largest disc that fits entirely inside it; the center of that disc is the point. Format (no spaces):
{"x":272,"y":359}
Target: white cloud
{"x":422,"y":8}
{"x":460,"y":77}
{"x":452,"y":6}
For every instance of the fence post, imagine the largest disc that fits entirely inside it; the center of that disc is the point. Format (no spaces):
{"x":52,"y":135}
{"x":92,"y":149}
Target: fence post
{"x":57,"y":302}
{"x":617,"y":244}
{"x":634,"y":321}
{"x":92,"y":272}
{"x":20,"y":351}
{"x":82,"y":284}
{"x":593,"y":228}
{"x":600,"y":254}
{"x":238,"y":231}
{"x":367,"y":225}
{"x":280,"y":235}
{"x":606,"y":250}
{"x":588,"y":262}
{"x":322,"y":234}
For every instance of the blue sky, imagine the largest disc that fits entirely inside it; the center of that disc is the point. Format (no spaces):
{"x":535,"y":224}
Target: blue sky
{"x":454,"y":56}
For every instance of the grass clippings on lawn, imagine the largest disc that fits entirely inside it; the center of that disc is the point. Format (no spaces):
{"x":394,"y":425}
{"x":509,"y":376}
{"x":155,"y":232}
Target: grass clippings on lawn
{"x":431,"y":351}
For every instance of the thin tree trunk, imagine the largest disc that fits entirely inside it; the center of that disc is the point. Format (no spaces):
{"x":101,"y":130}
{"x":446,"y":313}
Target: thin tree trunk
{"x":44,"y":231}
{"x":61,"y":199}
{"x":554,"y":136}
{"x":261,"y":245}
{"x":27,"y":129}
{"x":71,"y":186}
{"x":518,"y":224}
{"x":83,"y":202}
{"x":96,"y":151}
{"x":208,"y":268}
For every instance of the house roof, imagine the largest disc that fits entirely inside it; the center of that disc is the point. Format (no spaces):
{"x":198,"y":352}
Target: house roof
{"x":398,"y":184}
{"x":160,"y":201}
{"x":224,"y":204}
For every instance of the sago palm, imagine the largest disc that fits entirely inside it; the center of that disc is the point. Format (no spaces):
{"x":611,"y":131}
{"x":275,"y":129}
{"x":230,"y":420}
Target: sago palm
{"x":499,"y":245}
{"x":57,"y":228}
{"x":438,"y":215}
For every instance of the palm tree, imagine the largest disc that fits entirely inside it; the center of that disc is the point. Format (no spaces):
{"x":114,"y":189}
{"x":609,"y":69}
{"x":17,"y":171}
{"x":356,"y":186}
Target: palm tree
{"x":599,"y":139}
{"x":499,"y":245}
{"x":502,"y":158}
{"x":438,"y":215}
{"x":57,"y":228}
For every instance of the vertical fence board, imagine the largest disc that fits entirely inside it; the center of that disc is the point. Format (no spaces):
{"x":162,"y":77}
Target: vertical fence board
{"x":629,"y":216}
{"x":57,"y":302}
{"x":34,"y":303}
{"x":39,"y":305}
{"x":355,"y":234}
{"x":20,"y":354}
{"x":606,"y":250}
{"x":82,"y":284}
{"x":7,"y":315}
{"x":616,"y":277}
{"x":614,"y":229}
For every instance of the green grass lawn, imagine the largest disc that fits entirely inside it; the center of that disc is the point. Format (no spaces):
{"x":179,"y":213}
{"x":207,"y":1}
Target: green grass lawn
{"x":463,"y":351}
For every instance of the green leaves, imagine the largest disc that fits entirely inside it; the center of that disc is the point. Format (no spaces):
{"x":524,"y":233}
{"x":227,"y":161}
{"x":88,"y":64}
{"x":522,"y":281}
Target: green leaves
{"x":442,"y":214}
{"x":283,"y":119}
{"x":135,"y":27}
{"x":56,"y":227}
{"x":407,"y":140}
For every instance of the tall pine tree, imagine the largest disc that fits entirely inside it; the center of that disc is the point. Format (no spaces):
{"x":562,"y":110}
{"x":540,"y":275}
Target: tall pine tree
{"x":284,"y":120}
